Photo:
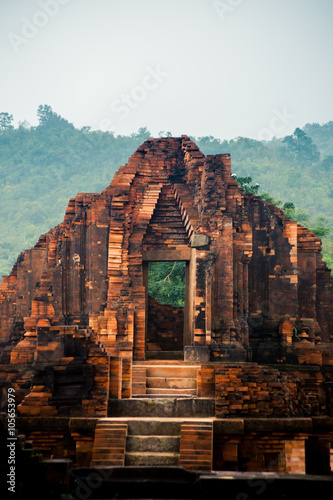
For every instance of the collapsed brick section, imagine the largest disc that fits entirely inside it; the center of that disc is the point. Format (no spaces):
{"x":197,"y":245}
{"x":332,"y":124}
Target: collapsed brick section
{"x":257,"y":288}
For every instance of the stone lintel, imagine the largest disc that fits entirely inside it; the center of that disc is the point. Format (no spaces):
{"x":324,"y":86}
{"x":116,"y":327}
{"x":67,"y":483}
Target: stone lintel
{"x":198,"y":353}
{"x":229,"y":426}
{"x":163,"y":255}
{"x":292,"y":425}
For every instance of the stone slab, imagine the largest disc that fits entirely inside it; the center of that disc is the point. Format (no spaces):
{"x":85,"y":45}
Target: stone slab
{"x":197,"y":354}
{"x":200,"y":240}
{"x":161,"y":407}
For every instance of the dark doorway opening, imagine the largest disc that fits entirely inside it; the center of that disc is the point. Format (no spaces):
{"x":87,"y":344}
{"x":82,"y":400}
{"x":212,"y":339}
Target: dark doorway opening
{"x":166,"y":299}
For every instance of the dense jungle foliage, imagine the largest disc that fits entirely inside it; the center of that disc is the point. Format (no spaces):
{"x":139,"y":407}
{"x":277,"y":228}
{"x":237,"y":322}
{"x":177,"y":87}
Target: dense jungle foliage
{"x":42,"y":166}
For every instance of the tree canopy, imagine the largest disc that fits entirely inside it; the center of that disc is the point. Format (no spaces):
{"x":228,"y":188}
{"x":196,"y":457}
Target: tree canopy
{"x":6,"y":122}
{"x":301,"y":148}
{"x":166,"y":282}
{"x":42,"y":167}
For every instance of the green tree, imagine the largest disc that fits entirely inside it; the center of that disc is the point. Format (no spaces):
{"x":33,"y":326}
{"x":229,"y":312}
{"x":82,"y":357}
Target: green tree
{"x":164,"y":134}
{"x":246,"y":184}
{"x":142,"y":134}
{"x":48,"y":118}
{"x":301,"y":216}
{"x":321,"y":227}
{"x":44,"y":113}
{"x":289,"y":209}
{"x":321,"y":136}
{"x":301,"y":148}
{"x":265,"y":196}
{"x":6,"y":122}
{"x":166,"y":282}
{"x":327,"y":163}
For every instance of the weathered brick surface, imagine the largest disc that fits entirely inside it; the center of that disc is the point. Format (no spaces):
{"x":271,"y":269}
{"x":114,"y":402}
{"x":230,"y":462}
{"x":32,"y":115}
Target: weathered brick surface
{"x":274,"y":453}
{"x":139,"y":374}
{"x":257,"y":290}
{"x":109,"y":444}
{"x":196,"y":446}
{"x":247,"y":389}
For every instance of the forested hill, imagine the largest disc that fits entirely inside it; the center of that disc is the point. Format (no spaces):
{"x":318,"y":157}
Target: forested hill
{"x":42,"y":167}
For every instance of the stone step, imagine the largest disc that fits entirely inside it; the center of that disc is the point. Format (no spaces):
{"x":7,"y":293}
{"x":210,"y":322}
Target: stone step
{"x":166,"y":380}
{"x":168,"y":427}
{"x":169,"y":395}
{"x":151,"y":459}
{"x":172,"y":382}
{"x":111,"y":425}
{"x":161,"y":444}
{"x":165,"y":355}
{"x":165,"y":362}
{"x":149,"y":427}
{"x":159,"y":406}
{"x":171,"y":392}
{"x":176,"y":371}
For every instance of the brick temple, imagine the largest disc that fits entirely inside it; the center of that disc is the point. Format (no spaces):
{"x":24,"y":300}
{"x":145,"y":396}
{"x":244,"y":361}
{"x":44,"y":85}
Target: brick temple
{"x":239,"y":379}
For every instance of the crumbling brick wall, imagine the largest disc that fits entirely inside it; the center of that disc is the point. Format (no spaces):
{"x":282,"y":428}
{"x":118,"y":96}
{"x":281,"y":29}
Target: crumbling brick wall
{"x":248,"y":389}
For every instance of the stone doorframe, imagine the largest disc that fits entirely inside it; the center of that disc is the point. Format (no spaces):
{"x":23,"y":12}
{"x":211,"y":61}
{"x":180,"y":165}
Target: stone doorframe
{"x":184,"y":255}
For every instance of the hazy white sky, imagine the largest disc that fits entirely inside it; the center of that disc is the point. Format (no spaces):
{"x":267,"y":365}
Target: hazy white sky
{"x":226,"y":68}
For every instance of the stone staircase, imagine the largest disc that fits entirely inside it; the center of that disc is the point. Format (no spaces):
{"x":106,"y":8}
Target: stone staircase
{"x":164,"y":424}
{"x":153,"y":442}
{"x":172,"y":379}
{"x":163,"y":388}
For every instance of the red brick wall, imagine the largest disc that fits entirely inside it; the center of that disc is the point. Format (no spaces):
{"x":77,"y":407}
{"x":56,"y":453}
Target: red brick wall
{"x":248,"y":389}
